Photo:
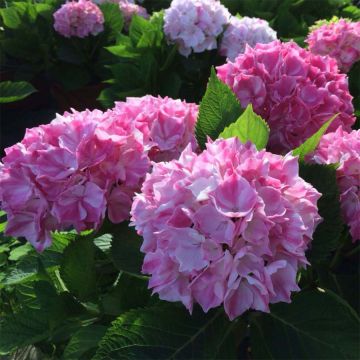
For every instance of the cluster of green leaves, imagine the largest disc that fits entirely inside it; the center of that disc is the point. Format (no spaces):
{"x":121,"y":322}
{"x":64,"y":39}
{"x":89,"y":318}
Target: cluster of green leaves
{"x":85,"y":297}
{"x":145,"y":64}
{"x":31,"y":48}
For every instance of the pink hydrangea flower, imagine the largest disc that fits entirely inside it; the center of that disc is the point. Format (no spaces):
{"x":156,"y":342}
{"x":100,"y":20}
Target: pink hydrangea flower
{"x":242,"y":32}
{"x":167,"y":125}
{"x":339,"y":39}
{"x":344,"y":148}
{"x":79,"y":18}
{"x":294,"y":90}
{"x":229,"y":226}
{"x":194,"y":25}
{"x":129,"y":9}
{"x":68,"y":173}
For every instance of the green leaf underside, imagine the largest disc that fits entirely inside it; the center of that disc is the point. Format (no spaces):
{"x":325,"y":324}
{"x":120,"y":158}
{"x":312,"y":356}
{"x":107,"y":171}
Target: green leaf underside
{"x":218,"y":109}
{"x":249,"y":127}
{"x":313,"y":141}
{"x":316,"y":325}
{"x":168,"y":332}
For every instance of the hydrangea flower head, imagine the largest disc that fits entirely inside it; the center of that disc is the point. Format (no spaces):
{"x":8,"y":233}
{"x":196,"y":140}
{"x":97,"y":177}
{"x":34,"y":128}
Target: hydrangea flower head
{"x":167,"y":125}
{"x":129,"y":9}
{"x":344,"y":148}
{"x":79,"y":18}
{"x":229,"y":226}
{"x":194,"y":25}
{"x":242,"y":32}
{"x":294,"y":90}
{"x":339,"y":38}
{"x":68,"y":173}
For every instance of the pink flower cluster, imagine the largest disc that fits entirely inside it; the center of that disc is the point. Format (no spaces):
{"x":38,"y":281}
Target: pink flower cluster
{"x":69,"y":173}
{"x":194,"y":25}
{"x":63,"y":174}
{"x":79,"y":18}
{"x":344,"y":148}
{"x":129,"y":9}
{"x":229,"y":226}
{"x":294,"y":90}
{"x":242,"y":32}
{"x":339,"y":39}
{"x":167,"y":125}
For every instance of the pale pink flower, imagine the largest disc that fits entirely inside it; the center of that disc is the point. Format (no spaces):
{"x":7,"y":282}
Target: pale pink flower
{"x":229,"y":226}
{"x":242,"y":32}
{"x":79,"y":18}
{"x":194,"y":25}
{"x":294,"y":90}
{"x":344,"y":148}
{"x":339,"y":39}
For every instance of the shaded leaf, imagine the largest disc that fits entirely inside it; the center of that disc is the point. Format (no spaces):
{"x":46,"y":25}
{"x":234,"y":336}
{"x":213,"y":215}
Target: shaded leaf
{"x":14,"y":91}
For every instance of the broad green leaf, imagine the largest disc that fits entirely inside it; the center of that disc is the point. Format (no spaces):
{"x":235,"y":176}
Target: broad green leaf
{"x":313,"y":141}
{"x":327,"y":234}
{"x":248,"y":127}
{"x":83,"y":341}
{"x":316,"y":325}
{"x":20,"y":251}
{"x":218,"y":109}
{"x":129,"y":292}
{"x":103,"y":242}
{"x":27,"y":268}
{"x":14,"y":91}
{"x":125,"y":249}
{"x":78,"y":268}
{"x":24,"y":328}
{"x":138,"y":27}
{"x":168,"y":331}
{"x":10,"y":17}
{"x":114,"y":20}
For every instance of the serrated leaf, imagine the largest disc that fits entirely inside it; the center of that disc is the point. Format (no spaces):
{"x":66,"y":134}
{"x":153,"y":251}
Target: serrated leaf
{"x":327,"y":234}
{"x":218,"y":109}
{"x":11,"y":91}
{"x":84,"y":340}
{"x":113,"y":19}
{"x":10,"y":17}
{"x":313,"y":141}
{"x":248,"y":127}
{"x":168,"y":331}
{"x":78,"y":268}
{"x":316,"y":325}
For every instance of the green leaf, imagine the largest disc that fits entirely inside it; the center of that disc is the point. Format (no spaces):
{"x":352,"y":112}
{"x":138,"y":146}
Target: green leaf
{"x":249,"y":127}
{"x":168,"y":332}
{"x":114,"y":20}
{"x":129,"y":292}
{"x":20,"y":251}
{"x":83,"y":341}
{"x":327,"y":234}
{"x":125,"y":249}
{"x":78,"y":268}
{"x":218,"y":109}
{"x":10,"y":17}
{"x":24,"y":328}
{"x":14,"y":91}
{"x":27,"y":268}
{"x":316,"y":325}
{"x":313,"y":141}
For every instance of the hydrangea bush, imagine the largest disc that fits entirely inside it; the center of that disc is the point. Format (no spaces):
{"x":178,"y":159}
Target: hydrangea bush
{"x":229,"y":226}
{"x":293,"y":90}
{"x":339,"y":38}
